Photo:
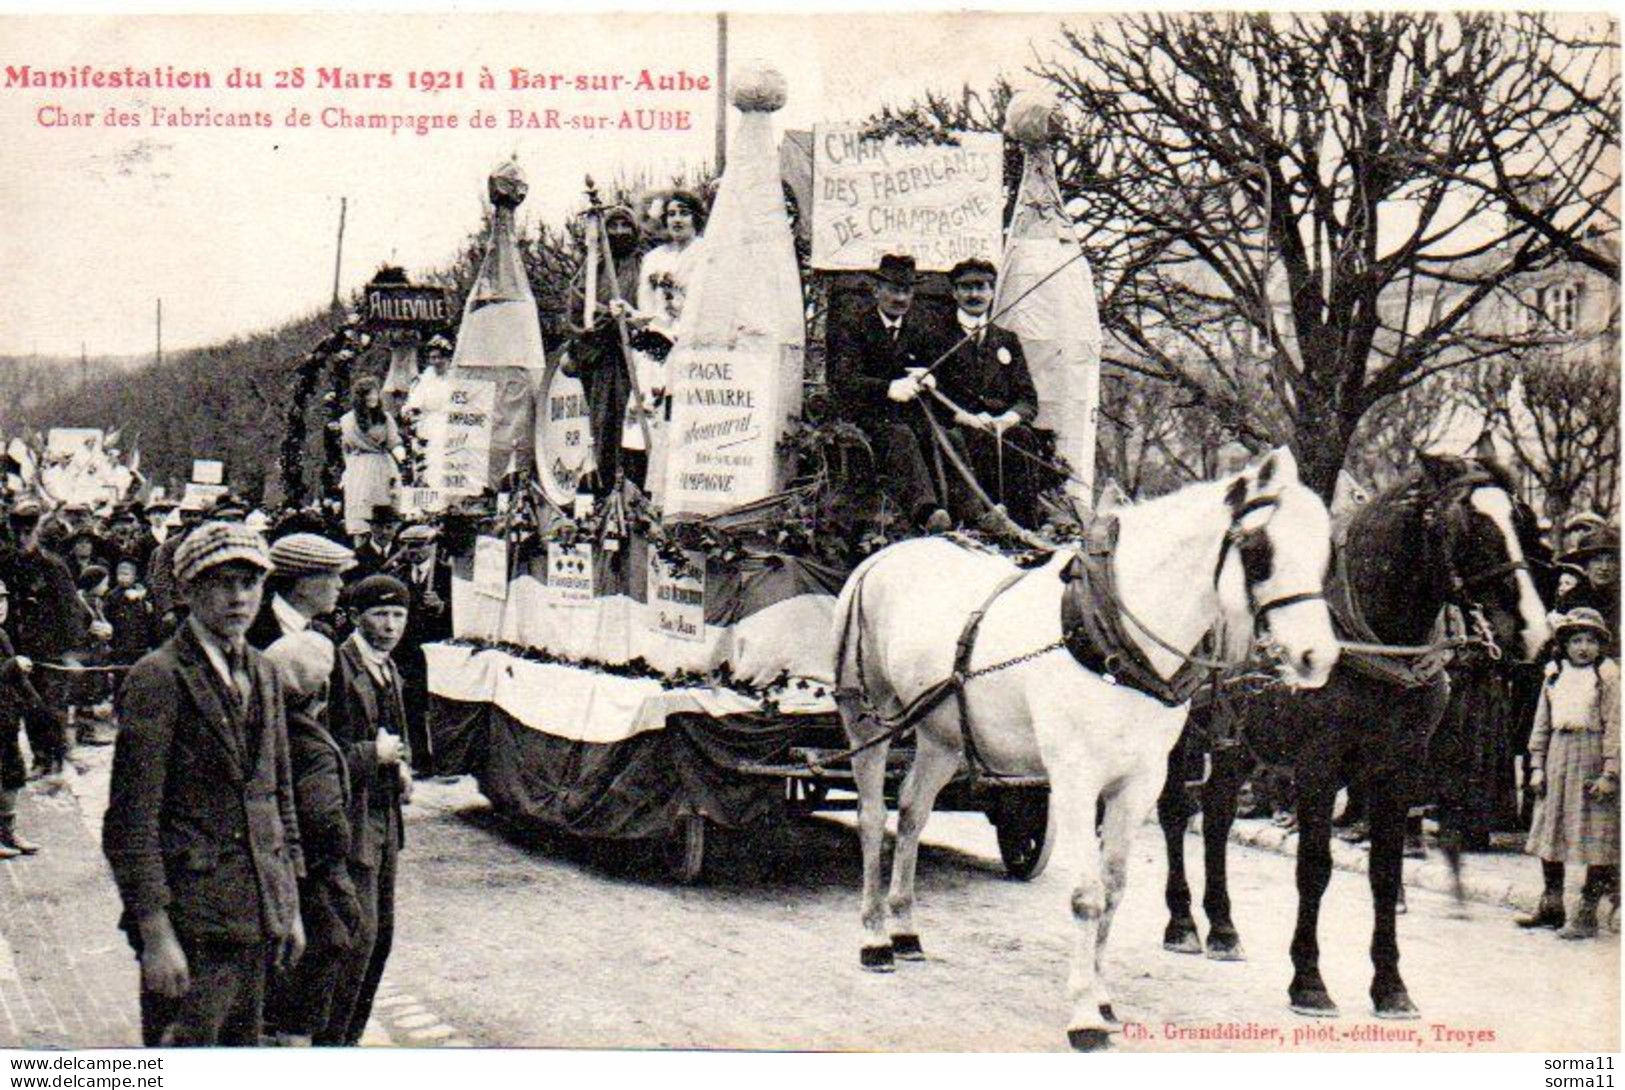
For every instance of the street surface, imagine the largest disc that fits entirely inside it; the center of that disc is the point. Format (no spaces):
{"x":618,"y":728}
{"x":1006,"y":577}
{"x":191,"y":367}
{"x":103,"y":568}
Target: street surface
{"x":517,"y":940}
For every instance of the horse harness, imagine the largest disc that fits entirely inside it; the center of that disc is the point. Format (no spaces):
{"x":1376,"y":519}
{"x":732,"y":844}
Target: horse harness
{"x":1093,"y":631}
{"x":1461,"y":625}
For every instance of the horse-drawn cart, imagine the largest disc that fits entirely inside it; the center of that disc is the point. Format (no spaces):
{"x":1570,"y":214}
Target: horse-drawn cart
{"x":817,"y":776}
{"x":607,"y":758}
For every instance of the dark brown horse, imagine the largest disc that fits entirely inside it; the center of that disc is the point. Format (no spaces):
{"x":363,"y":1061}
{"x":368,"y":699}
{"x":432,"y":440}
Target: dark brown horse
{"x":1449,"y":534}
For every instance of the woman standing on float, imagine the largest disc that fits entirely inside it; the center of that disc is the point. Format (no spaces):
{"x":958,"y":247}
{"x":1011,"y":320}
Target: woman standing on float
{"x":370,"y":473}
{"x":662,"y":287}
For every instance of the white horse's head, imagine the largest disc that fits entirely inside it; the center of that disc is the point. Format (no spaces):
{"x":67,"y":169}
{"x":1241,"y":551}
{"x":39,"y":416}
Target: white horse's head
{"x":1272,"y":569}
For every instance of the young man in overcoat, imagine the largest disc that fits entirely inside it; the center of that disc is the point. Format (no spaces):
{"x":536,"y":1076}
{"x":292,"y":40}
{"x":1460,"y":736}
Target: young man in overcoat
{"x":200,"y":828}
{"x":367,"y":718}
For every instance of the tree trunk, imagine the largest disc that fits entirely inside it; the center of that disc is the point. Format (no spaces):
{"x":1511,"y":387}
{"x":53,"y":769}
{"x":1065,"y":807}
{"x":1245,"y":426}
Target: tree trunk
{"x":1320,"y":441}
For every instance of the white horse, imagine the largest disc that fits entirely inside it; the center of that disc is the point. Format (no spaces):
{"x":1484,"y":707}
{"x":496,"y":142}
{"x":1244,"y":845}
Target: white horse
{"x":1098,"y":740}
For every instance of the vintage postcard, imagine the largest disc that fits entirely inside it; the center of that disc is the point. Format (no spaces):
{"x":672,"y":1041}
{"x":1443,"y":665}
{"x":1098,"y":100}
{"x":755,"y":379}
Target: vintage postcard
{"x":835,"y":531}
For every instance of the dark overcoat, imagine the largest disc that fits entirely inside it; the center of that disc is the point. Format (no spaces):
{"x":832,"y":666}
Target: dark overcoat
{"x":990,"y":377}
{"x":354,"y":712}
{"x":864,"y":360}
{"x":195,"y":824}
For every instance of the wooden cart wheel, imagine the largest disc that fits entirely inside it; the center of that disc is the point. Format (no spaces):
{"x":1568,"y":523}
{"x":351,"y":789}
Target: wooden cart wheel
{"x":1026,"y":831}
{"x":683,"y":852}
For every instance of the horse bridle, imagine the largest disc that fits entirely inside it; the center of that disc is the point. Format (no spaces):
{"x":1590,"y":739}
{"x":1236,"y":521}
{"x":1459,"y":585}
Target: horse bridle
{"x":1238,"y":539}
{"x":1458,"y":586}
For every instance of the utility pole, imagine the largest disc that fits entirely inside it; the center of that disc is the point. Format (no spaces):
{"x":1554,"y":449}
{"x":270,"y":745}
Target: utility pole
{"x":159,"y":358}
{"x":722,"y":91}
{"x":338,"y":256}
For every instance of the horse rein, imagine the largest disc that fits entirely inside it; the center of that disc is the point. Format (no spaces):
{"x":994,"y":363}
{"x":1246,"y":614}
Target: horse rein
{"x":1235,"y":538}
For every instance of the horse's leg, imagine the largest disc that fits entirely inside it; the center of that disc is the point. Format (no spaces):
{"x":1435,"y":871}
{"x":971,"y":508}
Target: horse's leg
{"x":1173,"y":814}
{"x":1074,"y":792}
{"x":1386,"y":808}
{"x":1219,"y":797}
{"x":1317,"y":793}
{"x":934,"y":765}
{"x":1126,"y":808}
{"x":869,"y":774}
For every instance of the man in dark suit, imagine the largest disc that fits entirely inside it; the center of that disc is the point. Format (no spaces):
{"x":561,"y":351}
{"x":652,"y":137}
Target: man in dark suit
{"x":985,"y":376}
{"x":428,"y":576}
{"x":367,"y":718}
{"x":876,"y":366}
{"x":200,"y":828}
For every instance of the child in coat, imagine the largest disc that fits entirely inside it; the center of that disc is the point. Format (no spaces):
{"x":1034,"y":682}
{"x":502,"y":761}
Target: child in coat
{"x":1574,"y":770}
{"x":128,"y":608}
{"x":299,"y":998}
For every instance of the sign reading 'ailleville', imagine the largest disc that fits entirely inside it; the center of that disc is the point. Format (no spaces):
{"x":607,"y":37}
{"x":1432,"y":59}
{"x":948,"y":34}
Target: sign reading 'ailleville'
{"x":406,"y":306}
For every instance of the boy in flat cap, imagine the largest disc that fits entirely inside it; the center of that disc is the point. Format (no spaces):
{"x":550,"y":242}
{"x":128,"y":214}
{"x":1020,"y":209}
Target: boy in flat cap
{"x":306,"y":578}
{"x":200,"y":828}
{"x":987,"y":378}
{"x":367,"y":718}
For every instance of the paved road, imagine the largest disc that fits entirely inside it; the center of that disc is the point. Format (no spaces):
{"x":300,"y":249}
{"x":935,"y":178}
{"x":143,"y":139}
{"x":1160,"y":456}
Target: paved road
{"x":514,"y":940}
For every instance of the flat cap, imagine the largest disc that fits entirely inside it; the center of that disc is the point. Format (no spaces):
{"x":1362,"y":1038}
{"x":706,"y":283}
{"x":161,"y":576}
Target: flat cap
{"x":972,"y":266}
{"x":418,"y":531}
{"x":309,"y":554}
{"x":215,"y":543}
{"x":377,"y":591}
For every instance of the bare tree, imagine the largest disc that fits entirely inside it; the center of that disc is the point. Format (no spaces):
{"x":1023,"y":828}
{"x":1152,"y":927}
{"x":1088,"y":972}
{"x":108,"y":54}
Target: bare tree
{"x":1561,"y":420}
{"x":1352,"y":188}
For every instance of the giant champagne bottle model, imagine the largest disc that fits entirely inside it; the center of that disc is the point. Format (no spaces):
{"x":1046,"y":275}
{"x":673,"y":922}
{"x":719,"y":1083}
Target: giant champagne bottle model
{"x":500,"y":340}
{"x":735,"y":376}
{"x":1058,"y":323}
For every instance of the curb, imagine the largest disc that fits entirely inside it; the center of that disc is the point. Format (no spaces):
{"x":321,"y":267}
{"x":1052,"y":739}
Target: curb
{"x":1431,"y":874}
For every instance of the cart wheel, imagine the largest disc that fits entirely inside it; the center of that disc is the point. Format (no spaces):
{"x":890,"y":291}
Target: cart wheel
{"x":1026,"y":831}
{"x":683,"y":852}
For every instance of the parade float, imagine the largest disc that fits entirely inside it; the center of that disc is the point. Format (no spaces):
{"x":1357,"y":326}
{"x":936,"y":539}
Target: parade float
{"x":646,"y":664}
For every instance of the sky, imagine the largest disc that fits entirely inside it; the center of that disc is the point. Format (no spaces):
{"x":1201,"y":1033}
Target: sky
{"x":234,"y":228}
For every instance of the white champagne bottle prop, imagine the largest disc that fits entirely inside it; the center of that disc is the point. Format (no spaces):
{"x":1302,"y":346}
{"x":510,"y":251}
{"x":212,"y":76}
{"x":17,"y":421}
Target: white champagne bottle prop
{"x":1058,"y":323}
{"x":735,"y":375}
{"x":500,"y":340}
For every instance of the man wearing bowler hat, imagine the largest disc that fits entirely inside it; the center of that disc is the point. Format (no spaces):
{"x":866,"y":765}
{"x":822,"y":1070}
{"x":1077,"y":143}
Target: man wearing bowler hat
{"x":367,"y":718}
{"x":200,"y":829}
{"x":877,"y":365}
{"x":985,"y":378}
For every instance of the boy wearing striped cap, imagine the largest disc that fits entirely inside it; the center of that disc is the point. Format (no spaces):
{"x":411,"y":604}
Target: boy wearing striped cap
{"x":200,"y":828}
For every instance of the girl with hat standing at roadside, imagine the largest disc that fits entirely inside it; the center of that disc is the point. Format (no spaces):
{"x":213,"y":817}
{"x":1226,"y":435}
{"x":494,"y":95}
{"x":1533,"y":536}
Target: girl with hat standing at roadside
{"x":1574,"y":769}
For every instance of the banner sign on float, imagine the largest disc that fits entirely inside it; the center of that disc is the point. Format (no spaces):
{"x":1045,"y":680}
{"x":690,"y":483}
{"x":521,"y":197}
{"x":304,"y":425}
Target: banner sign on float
{"x":940,"y":203}
{"x":677,"y":598}
{"x":460,"y":448}
{"x":569,"y":575}
{"x":723,"y":431}
{"x":563,"y":436}
{"x":406,"y":306}
{"x":491,"y":567}
{"x":417,"y":502}
{"x":208,"y":471}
